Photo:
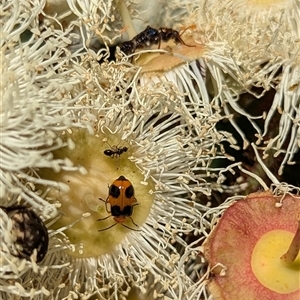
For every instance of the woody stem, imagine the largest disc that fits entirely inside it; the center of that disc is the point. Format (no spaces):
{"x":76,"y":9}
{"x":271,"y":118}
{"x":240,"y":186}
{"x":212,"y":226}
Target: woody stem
{"x":294,"y":248}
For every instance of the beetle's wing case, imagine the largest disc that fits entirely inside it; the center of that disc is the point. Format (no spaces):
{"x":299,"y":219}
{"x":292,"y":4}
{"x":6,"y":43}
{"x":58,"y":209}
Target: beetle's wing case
{"x":121,"y":200}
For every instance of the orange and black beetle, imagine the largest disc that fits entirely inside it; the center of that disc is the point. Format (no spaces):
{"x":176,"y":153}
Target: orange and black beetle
{"x":121,"y":200}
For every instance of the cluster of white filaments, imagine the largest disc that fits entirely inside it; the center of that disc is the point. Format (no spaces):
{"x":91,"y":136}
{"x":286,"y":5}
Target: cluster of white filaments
{"x":262,"y":38}
{"x":161,"y":143}
{"x":62,"y":109}
{"x":50,"y":93}
{"x":35,"y":107}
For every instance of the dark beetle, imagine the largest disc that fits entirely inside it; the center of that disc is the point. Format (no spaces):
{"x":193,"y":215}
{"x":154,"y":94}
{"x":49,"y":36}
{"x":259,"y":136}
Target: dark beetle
{"x":29,"y":231}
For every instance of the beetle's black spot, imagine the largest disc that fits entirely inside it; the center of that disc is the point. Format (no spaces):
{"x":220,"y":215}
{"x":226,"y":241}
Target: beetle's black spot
{"x":116,"y":211}
{"x":114,"y":191}
{"x":29,"y":230}
{"x":127,"y":211}
{"x":129,"y":192}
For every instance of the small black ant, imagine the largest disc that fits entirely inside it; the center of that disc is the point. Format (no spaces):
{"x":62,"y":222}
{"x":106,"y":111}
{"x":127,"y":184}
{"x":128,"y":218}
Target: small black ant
{"x":115,"y":151}
{"x":151,"y":36}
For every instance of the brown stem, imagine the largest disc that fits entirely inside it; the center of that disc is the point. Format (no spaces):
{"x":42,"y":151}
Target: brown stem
{"x":294,"y":248}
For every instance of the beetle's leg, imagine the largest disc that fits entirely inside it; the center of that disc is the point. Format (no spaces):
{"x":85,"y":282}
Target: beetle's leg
{"x":159,"y":41}
{"x":105,"y":201}
{"x":108,"y":227}
{"x":135,"y":201}
{"x":130,"y":227}
{"x":133,"y":222}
